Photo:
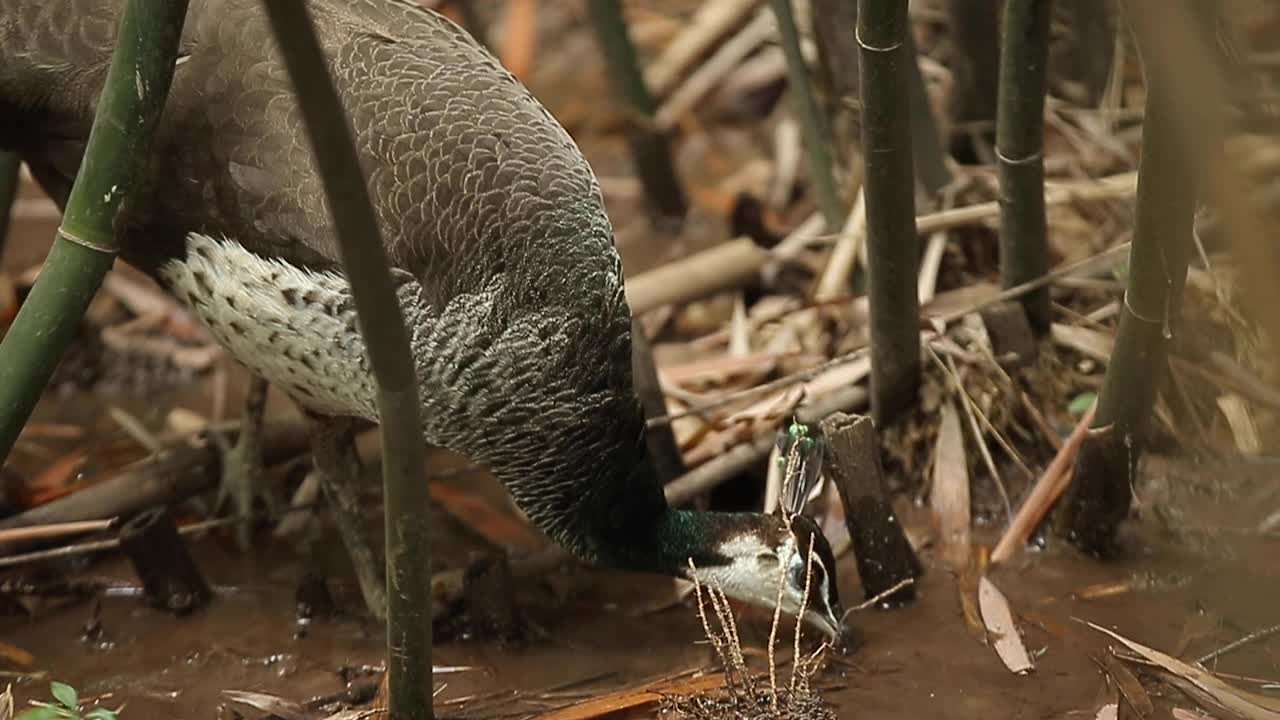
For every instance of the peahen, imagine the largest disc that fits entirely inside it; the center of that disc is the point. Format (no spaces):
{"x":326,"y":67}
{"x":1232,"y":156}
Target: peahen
{"x":503,"y":254}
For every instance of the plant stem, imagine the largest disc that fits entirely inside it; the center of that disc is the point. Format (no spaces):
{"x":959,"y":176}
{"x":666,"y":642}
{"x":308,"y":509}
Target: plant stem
{"x":892,"y":245}
{"x":930,"y":158}
{"x":650,"y":149}
{"x":974,"y":34}
{"x":382,"y":325}
{"x":10,"y":164}
{"x":1024,"y":59}
{"x":837,"y":79}
{"x":129,"y":108}
{"x":816,"y":135}
{"x":1101,"y":489}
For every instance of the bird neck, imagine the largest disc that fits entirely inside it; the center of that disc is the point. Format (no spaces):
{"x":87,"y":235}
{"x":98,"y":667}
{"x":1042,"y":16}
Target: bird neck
{"x":677,"y":537}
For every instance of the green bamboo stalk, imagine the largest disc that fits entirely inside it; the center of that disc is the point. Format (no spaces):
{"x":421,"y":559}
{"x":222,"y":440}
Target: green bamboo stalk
{"x":650,"y":150}
{"x":889,"y":187}
{"x":930,"y":157}
{"x":381,"y":323}
{"x":1024,"y":245}
{"x":836,"y":80}
{"x":10,"y":164}
{"x":1168,"y":172}
{"x":133,"y":97}
{"x":812,"y":123}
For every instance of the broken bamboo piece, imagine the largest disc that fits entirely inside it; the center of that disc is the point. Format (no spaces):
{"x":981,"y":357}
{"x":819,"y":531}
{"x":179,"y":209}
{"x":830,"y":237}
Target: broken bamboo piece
{"x":851,"y":460}
{"x":170,"y":579}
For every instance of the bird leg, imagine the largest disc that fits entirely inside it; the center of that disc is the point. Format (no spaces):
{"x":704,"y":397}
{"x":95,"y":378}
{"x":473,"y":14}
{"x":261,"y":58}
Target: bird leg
{"x":242,"y":462}
{"x":338,"y":466}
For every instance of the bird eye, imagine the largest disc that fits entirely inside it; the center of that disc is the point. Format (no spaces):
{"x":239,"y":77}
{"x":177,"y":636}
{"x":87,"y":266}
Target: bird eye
{"x":797,"y":576}
{"x":798,"y":572}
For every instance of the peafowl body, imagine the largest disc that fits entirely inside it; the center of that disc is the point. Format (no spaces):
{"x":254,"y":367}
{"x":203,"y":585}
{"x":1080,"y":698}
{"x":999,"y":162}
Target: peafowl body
{"x":503,"y":257}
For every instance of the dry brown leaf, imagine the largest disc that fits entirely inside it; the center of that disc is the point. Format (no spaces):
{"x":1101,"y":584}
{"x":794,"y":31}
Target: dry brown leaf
{"x":949,"y":498}
{"x":634,"y":697}
{"x":999,"y":622}
{"x":1203,"y":686}
{"x":1130,"y":688}
{"x":16,"y":655}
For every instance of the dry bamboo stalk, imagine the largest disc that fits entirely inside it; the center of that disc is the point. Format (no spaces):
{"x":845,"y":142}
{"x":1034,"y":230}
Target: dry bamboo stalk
{"x":710,"y":25}
{"x":722,"y":267}
{"x":844,"y":256}
{"x":691,"y":91}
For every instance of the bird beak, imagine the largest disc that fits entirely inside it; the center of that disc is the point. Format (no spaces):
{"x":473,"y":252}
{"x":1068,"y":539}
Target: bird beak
{"x":829,"y":621}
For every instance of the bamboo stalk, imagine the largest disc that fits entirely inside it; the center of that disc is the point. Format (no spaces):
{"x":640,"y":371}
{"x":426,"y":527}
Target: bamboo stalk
{"x":837,"y":77}
{"x":364,"y":259}
{"x":129,"y":108}
{"x":930,"y":157}
{"x":974,"y":34}
{"x":10,"y":163}
{"x":1024,"y":59}
{"x":890,"y":200}
{"x":1101,"y":489}
{"x":817,"y":137}
{"x":650,"y":150}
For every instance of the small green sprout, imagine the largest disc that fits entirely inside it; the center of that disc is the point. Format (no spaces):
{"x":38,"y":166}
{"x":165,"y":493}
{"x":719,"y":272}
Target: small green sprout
{"x":67,"y":707}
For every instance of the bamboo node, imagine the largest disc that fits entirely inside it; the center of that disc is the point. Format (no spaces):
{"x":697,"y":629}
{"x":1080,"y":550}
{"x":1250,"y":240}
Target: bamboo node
{"x":1034,"y":157}
{"x":857,"y":34}
{"x":105,"y":249}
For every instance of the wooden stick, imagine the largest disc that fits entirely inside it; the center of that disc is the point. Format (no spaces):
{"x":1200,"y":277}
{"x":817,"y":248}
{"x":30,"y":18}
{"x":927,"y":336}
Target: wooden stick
{"x":54,"y":530}
{"x":1046,"y":492}
{"x":170,"y":578}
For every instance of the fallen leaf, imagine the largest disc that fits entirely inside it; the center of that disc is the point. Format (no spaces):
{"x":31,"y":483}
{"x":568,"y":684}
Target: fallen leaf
{"x":1130,"y":688}
{"x":16,"y":655}
{"x":999,"y":622}
{"x":1236,"y":411}
{"x":1202,"y":686}
{"x":949,"y":498}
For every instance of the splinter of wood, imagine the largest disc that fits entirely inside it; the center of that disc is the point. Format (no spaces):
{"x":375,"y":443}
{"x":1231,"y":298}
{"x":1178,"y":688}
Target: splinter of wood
{"x":170,"y":579}
{"x":852,"y":461}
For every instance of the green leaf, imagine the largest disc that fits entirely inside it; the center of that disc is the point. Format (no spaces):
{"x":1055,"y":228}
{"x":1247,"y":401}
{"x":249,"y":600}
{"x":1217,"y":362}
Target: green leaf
{"x":43,"y":712}
{"x":1080,"y":403}
{"x":101,"y":714}
{"x":65,"y":694}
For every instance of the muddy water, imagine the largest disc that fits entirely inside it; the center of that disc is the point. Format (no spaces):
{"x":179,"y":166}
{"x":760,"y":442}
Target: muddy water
{"x":1196,"y":578}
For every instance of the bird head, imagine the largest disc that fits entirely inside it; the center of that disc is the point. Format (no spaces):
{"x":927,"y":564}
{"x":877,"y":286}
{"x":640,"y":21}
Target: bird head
{"x":778,"y":560}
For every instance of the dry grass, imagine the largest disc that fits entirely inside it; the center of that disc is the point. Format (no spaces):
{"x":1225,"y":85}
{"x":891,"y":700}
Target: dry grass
{"x":745,"y":695}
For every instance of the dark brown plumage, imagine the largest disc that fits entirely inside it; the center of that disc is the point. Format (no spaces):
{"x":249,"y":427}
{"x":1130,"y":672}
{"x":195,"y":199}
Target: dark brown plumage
{"x":495,"y":224}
